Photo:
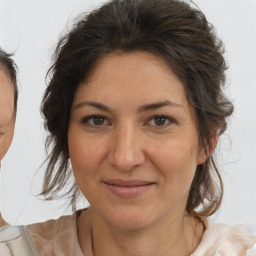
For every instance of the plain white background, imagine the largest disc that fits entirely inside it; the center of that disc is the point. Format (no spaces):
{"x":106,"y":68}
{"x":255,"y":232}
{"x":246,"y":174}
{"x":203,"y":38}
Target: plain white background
{"x":30,"y":29}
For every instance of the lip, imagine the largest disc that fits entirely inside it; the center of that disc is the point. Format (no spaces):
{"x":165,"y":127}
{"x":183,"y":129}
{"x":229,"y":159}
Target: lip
{"x":128,"y":189}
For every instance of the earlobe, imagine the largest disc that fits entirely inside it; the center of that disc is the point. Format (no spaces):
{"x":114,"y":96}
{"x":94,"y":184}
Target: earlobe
{"x":202,"y":156}
{"x":205,"y":153}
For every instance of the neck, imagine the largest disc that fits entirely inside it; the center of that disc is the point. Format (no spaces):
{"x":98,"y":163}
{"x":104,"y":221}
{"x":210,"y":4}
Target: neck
{"x":172,"y":237}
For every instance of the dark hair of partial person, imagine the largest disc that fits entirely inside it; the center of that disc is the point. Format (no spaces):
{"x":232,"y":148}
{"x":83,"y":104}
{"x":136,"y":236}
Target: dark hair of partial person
{"x":179,"y":33}
{"x":9,"y":67}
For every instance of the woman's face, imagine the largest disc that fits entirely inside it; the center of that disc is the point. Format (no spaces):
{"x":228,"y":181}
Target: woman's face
{"x":7,"y":113}
{"x":133,"y":141}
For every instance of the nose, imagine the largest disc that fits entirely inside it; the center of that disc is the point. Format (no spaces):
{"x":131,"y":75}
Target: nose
{"x":126,"y":149}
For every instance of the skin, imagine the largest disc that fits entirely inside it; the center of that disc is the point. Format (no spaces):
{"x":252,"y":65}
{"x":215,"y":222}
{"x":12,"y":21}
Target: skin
{"x":7,"y":118}
{"x":147,"y":132}
{"x":7,"y":113}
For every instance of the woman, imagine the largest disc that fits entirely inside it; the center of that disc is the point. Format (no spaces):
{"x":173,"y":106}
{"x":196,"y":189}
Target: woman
{"x":135,"y":108}
{"x":8,"y":105}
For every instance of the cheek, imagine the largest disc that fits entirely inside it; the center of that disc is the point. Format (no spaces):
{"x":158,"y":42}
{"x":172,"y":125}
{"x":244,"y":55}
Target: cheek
{"x":177,"y":164}
{"x":3,"y":148}
{"x":85,"y":154}
{"x":175,"y":152}
{"x":176,"y":159}
{"x":5,"y":142}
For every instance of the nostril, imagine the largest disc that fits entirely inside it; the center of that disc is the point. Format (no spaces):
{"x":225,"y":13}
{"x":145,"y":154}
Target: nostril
{"x":125,"y":152}
{"x":125,"y":162}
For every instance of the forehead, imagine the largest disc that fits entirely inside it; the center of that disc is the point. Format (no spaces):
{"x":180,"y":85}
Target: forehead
{"x":5,"y":80}
{"x":6,"y":98}
{"x":132,"y":79}
{"x":131,"y":76}
{"x":115,"y":61}
{"x":132,"y":71}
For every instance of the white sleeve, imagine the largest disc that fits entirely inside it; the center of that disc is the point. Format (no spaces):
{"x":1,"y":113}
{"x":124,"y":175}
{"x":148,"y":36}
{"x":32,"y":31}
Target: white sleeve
{"x":4,"y":250}
{"x":251,"y":252}
{"x":250,"y":226}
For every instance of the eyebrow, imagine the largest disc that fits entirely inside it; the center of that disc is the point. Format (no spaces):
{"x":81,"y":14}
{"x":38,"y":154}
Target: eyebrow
{"x":93,"y":104}
{"x":158,"y":105}
{"x":144,"y":108}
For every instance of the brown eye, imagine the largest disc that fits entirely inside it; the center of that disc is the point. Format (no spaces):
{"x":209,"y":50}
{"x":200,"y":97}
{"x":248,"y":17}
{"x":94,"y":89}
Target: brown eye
{"x":95,"y":121}
{"x":98,"y":120}
{"x":160,"y":121}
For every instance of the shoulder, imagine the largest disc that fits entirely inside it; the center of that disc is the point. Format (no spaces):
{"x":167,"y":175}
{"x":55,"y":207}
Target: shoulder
{"x":16,"y":237}
{"x":223,"y":239}
{"x":55,"y":237}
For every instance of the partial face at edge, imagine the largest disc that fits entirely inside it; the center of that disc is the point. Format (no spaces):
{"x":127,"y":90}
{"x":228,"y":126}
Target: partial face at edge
{"x":130,"y":125}
{"x":7,"y":113}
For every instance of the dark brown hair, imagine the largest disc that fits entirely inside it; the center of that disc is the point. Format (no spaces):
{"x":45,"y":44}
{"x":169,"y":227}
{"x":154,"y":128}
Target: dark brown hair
{"x":172,"y":29}
{"x":9,"y":67}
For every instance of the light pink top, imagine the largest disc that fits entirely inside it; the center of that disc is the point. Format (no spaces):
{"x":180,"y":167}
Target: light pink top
{"x":59,"y":237}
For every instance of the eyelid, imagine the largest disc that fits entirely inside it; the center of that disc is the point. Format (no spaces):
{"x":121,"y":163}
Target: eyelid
{"x":87,"y":118}
{"x":85,"y":121}
{"x":170,"y":119}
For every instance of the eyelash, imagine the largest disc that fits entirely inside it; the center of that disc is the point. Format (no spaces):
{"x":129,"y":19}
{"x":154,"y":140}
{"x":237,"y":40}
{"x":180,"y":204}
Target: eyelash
{"x":87,"y":120}
{"x":166,"y":118}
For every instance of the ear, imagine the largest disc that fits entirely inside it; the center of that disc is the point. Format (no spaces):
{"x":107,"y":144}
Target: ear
{"x":204,"y":154}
